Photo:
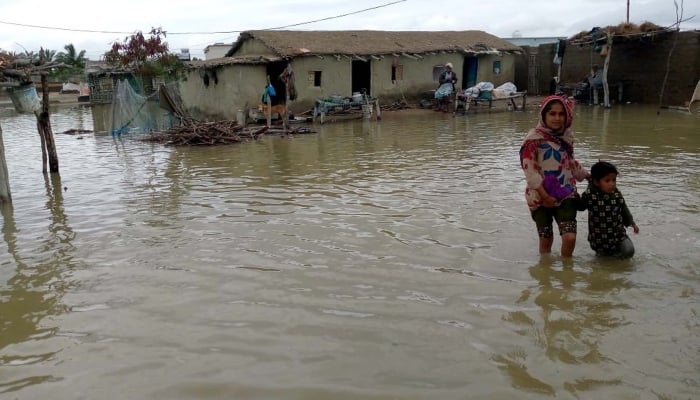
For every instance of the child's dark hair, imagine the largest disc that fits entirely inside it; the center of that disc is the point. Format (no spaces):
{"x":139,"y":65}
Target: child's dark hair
{"x":602,"y":168}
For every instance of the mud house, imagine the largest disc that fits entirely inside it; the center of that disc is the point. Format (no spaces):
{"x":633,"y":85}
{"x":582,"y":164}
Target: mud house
{"x":384,"y":64}
{"x":648,"y":64}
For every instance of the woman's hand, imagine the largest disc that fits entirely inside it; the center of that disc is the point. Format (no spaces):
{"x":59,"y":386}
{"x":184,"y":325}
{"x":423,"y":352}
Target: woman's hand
{"x":549,"y":201}
{"x":546,"y":200}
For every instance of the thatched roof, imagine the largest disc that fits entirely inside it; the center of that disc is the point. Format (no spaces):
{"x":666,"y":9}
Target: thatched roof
{"x":367,"y":43}
{"x":217,"y":62}
{"x":99,"y":68}
{"x":628,"y":31}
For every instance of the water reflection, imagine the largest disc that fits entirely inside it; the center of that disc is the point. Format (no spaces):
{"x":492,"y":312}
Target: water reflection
{"x":33,"y":294}
{"x":577,"y":307}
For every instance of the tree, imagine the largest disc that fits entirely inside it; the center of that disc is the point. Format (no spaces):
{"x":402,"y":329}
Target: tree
{"x":146,"y":56}
{"x":49,"y":55}
{"x":71,"y":57}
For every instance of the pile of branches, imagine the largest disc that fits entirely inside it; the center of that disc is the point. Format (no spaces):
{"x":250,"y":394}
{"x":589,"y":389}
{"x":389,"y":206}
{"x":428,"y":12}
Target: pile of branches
{"x":196,"y":133}
{"x":396,"y":105}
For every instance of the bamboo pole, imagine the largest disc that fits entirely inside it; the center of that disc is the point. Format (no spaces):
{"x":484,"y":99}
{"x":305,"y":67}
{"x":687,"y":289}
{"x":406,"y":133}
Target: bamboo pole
{"x":44,"y":124}
{"x":5,"y":195}
{"x":606,"y":89}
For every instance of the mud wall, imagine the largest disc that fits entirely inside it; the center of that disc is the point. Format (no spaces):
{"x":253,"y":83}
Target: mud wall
{"x":639,"y":63}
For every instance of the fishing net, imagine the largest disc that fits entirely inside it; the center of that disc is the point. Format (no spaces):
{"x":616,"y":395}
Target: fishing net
{"x":132,"y":112}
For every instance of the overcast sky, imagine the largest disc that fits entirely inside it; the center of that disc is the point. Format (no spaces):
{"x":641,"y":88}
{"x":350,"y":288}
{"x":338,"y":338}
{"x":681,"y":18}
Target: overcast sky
{"x":188,"y":22}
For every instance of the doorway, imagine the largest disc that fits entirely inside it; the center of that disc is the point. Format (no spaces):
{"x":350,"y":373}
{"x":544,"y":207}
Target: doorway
{"x":274,"y":70}
{"x":471,"y":66}
{"x":361,"y":77}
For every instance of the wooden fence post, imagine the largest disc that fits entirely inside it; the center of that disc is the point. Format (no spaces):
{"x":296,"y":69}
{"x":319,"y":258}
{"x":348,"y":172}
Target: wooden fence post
{"x":606,"y":87}
{"x":44,"y":124}
{"x":5,"y":195}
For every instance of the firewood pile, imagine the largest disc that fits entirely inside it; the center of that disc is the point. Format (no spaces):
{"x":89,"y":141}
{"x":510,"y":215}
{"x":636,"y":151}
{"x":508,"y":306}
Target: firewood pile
{"x":396,"y":105}
{"x":197,"y":133}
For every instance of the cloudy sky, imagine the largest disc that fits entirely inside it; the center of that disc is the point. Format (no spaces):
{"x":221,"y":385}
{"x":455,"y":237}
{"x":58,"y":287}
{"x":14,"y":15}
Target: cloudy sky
{"x":94,"y":25}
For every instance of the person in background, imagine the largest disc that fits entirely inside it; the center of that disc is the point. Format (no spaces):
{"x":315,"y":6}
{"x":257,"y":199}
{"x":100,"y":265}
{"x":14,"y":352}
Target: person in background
{"x":447,"y":81}
{"x":553,"y":85}
{"x":548,"y":151}
{"x":287,"y":76}
{"x":595,"y":83}
{"x":608,"y":215}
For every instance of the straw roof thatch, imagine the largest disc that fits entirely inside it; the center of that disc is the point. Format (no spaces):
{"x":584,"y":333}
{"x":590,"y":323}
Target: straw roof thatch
{"x":218,"y":62}
{"x":366,"y":43}
{"x":623,"y":30}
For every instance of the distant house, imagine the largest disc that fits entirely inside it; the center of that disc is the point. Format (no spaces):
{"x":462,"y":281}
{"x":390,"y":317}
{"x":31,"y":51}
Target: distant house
{"x":533,"y":41}
{"x":384,"y":64}
{"x":216,"y":50}
{"x":184,"y":55}
{"x":101,"y":80}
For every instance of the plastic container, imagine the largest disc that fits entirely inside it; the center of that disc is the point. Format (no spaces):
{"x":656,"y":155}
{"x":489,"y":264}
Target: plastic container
{"x":25,"y":99}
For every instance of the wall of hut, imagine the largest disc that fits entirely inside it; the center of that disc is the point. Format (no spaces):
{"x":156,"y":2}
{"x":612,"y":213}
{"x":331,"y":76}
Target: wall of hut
{"x":640,"y":64}
{"x":217,"y":93}
{"x":486,"y":71}
{"x":414,"y":76}
{"x":254,"y":47}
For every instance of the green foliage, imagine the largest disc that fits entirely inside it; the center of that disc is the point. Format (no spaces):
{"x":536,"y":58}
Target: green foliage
{"x":71,"y":57}
{"x":145,"y":56}
{"x":49,"y":54}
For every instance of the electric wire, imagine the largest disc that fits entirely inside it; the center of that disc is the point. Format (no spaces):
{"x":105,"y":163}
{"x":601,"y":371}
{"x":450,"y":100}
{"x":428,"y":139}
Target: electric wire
{"x":207,"y":32}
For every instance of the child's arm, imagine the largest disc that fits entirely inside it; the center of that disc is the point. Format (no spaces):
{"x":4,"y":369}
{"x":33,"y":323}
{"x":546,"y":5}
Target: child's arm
{"x":627,"y":218}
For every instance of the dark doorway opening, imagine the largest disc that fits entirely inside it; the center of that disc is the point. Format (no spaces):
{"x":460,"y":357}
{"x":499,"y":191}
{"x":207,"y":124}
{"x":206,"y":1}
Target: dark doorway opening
{"x":471,"y":65}
{"x":361,"y":77}
{"x":274,"y":70}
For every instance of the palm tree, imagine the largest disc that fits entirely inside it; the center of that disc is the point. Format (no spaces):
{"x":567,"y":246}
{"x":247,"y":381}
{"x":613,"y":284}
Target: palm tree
{"x":48,"y":55}
{"x":71,"y":56}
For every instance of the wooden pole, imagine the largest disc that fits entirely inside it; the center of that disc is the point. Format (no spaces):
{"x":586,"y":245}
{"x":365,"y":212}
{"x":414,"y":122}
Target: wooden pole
{"x":606,"y":89}
{"x":44,"y":123}
{"x":5,"y":195}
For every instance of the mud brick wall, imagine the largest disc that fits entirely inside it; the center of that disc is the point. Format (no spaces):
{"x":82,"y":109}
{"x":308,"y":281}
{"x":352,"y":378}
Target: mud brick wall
{"x":640,"y":63}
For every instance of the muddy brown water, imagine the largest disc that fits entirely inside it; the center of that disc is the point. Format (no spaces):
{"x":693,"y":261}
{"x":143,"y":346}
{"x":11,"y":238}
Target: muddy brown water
{"x":369,"y":260}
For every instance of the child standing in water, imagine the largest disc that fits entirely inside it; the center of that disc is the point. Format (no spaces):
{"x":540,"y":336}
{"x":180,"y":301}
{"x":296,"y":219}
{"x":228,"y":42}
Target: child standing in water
{"x":608,"y":215}
{"x":551,"y":172}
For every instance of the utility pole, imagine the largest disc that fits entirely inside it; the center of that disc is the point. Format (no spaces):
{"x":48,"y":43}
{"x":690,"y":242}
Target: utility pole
{"x":628,"y":11}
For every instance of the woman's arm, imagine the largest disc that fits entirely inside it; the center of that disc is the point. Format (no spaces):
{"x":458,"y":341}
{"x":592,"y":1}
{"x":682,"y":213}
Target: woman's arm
{"x":579,"y":172}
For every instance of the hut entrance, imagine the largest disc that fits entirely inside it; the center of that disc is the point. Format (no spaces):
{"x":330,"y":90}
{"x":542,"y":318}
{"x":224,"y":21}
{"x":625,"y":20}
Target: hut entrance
{"x":469,"y":73}
{"x":274,"y":70}
{"x":361,"y":76}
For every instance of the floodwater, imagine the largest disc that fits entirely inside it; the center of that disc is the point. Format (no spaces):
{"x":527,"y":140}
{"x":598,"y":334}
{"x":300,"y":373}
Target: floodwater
{"x":369,"y":260}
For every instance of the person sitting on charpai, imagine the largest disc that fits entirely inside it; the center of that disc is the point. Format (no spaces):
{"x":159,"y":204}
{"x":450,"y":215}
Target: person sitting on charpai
{"x":447,"y":80}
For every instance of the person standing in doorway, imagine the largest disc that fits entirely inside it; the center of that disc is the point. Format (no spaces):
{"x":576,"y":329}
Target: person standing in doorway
{"x":548,"y":151}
